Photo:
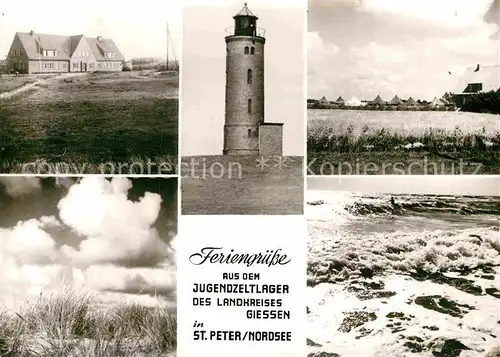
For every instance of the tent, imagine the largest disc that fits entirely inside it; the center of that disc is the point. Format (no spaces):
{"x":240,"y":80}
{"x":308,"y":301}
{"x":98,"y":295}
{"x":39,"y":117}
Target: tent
{"x":395,"y":100}
{"x":323,"y":100}
{"x":437,"y":102}
{"x":411,"y":101}
{"x":378,"y":100}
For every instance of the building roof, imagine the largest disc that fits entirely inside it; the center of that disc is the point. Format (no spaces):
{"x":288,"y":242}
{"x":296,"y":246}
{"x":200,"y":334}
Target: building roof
{"x":101,"y":46}
{"x":340,"y":100}
{"x":66,"y":45}
{"x":395,"y":100}
{"x":378,"y":100}
{"x":245,"y":11}
{"x":34,"y":44}
{"x":323,"y":99}
{"x":489,"y":76}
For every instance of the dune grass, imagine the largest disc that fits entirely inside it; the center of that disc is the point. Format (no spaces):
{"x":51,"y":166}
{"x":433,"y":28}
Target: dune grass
{"x":69,"y":324}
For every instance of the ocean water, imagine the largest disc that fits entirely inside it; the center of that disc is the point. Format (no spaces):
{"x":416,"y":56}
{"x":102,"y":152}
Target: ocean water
{"x":417,"y":277}
{"x":365,"y":122}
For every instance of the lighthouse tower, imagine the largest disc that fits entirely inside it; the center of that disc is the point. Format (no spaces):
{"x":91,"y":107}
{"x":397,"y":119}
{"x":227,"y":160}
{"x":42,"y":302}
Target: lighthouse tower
{"x":244,"y":85}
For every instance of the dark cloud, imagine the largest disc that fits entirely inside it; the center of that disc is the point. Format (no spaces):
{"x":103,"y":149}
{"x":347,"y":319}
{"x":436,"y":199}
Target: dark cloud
{"x":492,"y":16}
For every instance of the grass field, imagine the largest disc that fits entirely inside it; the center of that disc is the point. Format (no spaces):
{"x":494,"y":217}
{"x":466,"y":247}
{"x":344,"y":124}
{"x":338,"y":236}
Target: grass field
{"x":121,"y":118}
{"x":71,"y":324}
{"x":238,"y":185}
{"x":448,"y":139}
{"x":9,"y":83}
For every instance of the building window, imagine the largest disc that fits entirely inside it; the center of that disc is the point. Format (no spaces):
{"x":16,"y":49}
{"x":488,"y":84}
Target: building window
{"x":249,"y":76}
{"x":249,"y":133}
{"x":473,"y":87}
{"x":75,"y":65}
{"x":249,"y":106}
{"x":256,"y":133}
{"x":246,"y":50}
{"x":252,"y":50}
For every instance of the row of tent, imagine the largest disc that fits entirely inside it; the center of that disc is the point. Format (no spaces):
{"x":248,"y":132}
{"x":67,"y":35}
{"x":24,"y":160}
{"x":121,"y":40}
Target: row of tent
{"x":379,"y":101}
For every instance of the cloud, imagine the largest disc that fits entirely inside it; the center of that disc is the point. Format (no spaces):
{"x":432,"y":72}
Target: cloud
{"x":16,"y":186}
{"x":390,"y":47}
{"x":449,"y":13}
{"x":133,"y":281}
{"x":316,"y":47}
{"x":320,"y":58}
{"x":28,"y":242}
{"x":113,"y":228}
{"x":375,"y":53}
{"x":119,"y":250}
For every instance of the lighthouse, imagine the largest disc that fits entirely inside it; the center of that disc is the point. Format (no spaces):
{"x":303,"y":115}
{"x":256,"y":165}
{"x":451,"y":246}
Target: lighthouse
{"x":244,"y":116}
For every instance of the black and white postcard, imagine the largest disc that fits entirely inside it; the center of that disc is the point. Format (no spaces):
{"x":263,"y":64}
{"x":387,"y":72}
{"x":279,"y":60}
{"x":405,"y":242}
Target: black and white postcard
{"x":89,"y":87}
{"x":88,"y":266}
{"x":243,"y":111}
{"x":403,"y":87}
{"x":242,"y":294}
{"x":403,"y":266}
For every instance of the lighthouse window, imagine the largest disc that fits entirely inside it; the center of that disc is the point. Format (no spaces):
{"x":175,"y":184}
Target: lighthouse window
{"x":249,"y":106}
{"x":249,"y":133}
{"x":252,"y":50}
{"x":249,"y":76}
{"x":246,"y":50}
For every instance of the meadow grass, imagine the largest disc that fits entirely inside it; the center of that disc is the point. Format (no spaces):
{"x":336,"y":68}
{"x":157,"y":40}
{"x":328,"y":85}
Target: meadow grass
{"x":91,"y":119}
{"x":70,"y":324}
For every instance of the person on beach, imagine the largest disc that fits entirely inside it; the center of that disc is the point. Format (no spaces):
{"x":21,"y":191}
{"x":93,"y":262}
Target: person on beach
{"x":395,"y":207}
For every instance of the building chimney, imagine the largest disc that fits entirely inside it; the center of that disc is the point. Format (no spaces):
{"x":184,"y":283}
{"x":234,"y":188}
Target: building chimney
{"x":99,"y":38}
{"x":477,"y":68}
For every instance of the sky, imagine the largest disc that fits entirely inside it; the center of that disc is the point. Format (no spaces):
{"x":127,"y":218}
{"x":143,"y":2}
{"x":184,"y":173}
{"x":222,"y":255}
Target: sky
{"x":362,"y":48}
{"x":137,"y":27}
{"x":115,"y":237}
{"x":431,"y":184}
{"x":203,"y":71}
